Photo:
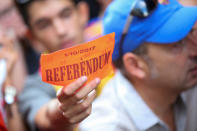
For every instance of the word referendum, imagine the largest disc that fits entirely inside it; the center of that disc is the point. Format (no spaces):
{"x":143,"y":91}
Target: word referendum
{"x":74,"y":71}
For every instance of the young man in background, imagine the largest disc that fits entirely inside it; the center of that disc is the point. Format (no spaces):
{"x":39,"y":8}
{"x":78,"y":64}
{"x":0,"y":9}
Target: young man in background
{"x":56,"y":24}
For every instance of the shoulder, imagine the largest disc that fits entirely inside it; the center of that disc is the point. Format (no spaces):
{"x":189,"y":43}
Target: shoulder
{"x":103,"y":111}
{"x":191,"y":97}
{"x":34,"y":81}
{"x":35,"y":88}
{"x":107,"y":112}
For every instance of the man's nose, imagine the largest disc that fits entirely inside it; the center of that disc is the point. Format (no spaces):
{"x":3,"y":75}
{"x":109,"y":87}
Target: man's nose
{"x":59,"y":27}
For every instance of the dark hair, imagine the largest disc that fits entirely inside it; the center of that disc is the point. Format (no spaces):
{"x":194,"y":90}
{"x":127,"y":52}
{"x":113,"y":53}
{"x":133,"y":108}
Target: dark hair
{"x":23,"y":5}
{"x":140,"y":51}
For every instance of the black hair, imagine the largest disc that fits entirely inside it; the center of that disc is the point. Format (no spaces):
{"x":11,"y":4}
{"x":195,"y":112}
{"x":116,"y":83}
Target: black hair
{"x":140,"y":51}
{"x":23,"y":5}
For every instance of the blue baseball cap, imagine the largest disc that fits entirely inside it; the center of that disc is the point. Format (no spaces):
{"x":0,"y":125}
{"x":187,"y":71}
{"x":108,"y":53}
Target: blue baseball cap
{"x":167,"y":24}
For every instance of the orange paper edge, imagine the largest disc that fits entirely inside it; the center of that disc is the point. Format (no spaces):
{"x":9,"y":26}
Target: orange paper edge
{"x":92,"y":59}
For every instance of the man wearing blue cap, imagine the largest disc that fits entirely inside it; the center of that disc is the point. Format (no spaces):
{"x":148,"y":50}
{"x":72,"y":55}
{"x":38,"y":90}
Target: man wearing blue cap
{"x":156,"y":61}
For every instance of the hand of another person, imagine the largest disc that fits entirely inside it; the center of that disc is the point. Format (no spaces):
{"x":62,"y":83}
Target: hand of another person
{"x":73,"y":104}
{"x":7,"y":51}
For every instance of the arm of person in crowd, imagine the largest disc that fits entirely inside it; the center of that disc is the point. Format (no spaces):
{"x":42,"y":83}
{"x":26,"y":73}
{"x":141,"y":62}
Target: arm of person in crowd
{"x":10,"y":55}
{"x":7,"y":52}
{"x":69,"y":108}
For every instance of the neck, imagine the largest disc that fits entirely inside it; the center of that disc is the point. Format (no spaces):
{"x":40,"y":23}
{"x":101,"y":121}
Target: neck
{"x":160,"y":100}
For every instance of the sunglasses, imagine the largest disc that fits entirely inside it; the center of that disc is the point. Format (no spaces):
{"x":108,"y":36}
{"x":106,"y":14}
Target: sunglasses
{"x":141,"y":9}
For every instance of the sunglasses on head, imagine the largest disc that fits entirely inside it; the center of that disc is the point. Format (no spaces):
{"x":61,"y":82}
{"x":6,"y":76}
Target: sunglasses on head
{"x":141,"y":9}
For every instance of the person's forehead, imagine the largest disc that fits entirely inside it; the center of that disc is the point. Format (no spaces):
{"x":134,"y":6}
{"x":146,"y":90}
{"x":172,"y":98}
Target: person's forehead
{"x":194,"y":28}
{"x":47,"y":8}
{"x":193,"y":33}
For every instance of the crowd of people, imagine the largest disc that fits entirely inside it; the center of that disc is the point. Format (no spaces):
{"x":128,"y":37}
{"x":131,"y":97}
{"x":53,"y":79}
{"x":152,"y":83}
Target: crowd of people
{"x":152,"y":88}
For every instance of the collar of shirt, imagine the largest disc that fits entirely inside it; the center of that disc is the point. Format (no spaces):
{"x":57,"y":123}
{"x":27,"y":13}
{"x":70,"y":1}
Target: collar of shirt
{"x":138,"y":110}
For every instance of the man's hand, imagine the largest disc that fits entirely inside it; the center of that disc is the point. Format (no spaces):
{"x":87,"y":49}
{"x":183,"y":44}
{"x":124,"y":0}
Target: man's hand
{"x":73,"y":104}
{"x":7,"y":51}
{"x":76,"y":104}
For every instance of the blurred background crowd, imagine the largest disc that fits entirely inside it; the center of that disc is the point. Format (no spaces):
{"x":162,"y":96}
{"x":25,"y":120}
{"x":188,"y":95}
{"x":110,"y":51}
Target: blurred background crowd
{"x":19,"y":54}
{"x":22,"y":42}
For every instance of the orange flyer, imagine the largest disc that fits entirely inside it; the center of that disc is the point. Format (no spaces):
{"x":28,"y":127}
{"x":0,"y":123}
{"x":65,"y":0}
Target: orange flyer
{"x":92,"y":59}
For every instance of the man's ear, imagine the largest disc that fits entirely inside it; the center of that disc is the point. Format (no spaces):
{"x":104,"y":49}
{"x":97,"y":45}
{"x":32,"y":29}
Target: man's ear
{"x":134,"y":65}
{"x":83,"y":10}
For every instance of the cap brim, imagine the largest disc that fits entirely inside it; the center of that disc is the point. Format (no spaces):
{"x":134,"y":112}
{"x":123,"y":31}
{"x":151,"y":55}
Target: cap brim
{"x":176,"y":28}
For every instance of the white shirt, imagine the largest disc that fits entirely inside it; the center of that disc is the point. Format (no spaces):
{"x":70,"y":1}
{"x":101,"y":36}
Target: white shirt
{"x":3,"y":71}
{"x":120,"y":108}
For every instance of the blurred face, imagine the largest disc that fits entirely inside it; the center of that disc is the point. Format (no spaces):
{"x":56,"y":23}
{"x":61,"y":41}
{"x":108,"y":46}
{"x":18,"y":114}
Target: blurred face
{"x":188,"y":2}
{"x":56,"y":24}
{"x":175,"y":65}
{"x":10,"y":19}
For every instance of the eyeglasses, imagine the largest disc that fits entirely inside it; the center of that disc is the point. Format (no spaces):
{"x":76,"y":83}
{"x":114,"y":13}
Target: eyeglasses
{"x":141,"y":9}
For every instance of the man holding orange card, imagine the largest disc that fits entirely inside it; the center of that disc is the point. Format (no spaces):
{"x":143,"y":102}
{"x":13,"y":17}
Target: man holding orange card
{"x":57,"y":24}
